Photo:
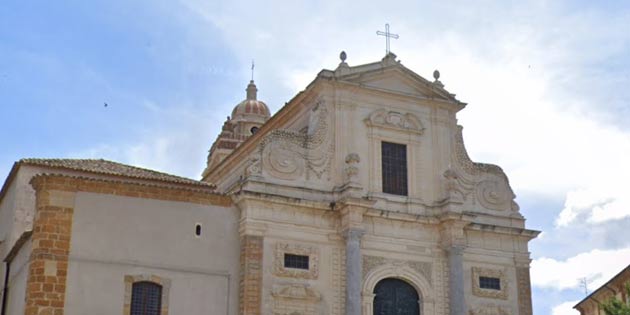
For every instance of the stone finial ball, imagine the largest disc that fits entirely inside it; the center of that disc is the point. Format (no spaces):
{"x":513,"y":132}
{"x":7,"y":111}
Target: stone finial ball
{"x":436,"y":75}
{"x":343,"y":56}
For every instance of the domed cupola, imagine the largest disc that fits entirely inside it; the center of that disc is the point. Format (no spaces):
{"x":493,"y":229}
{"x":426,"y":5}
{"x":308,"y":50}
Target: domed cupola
{"x":251,"y":110}
{"x":247,"y":117}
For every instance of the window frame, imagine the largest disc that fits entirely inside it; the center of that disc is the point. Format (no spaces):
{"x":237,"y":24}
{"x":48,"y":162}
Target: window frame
{"x":164,"y":284}
{"x":394,"y":181}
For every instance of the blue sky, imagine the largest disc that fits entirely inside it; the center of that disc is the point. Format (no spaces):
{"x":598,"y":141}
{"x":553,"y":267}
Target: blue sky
{"x":546,"y":82}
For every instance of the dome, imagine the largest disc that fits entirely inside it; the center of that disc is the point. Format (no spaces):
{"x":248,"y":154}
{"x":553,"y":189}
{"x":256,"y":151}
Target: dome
{"x":251,"y":109}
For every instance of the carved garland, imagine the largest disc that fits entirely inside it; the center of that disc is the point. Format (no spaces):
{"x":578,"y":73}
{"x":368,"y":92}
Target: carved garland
{"x":394,"y":120}
{"x":489,"y":293}
{"x":297,"y":249}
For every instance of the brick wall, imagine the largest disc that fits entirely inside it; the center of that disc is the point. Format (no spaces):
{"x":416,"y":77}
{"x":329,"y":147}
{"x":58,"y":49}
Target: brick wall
{"x":250,"y":293}
{"x":52,"y":229}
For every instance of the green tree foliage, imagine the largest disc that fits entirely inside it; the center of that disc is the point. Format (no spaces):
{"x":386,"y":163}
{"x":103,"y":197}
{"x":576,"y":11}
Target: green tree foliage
{"x":615,"y":306}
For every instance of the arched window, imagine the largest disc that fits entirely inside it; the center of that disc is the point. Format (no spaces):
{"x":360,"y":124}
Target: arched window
{"x":395,"y":297}
{"x":146,"y":298}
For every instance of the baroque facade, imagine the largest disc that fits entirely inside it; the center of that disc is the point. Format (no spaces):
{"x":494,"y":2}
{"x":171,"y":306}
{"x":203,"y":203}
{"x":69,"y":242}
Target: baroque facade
{"x":356,"y":197}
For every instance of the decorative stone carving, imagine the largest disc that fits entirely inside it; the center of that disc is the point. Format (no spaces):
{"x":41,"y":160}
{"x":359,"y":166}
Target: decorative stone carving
{"x":290,"y":155}
{"x":489,"y":309}
{"x":254,"y":167}
{"x":390,"y":119}
{"x":489,"y":293}
{"x":371,"y":262}
{"x":296,"y":249}
{"x":292,"y":299}
{"x":457,"y":188}
{"x":494,"y":194}
{"x":491,"y":185}
{"x":352,"y":169}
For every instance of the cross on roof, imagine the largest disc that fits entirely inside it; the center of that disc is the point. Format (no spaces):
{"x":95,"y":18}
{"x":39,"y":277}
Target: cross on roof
{"x":387,"y":35}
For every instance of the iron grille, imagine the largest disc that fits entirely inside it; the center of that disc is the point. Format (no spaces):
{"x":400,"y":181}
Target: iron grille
{"x":490,"y":283}
{"x":394,"y":168}
{"x":146,"y":298}
{"x":296,"y":261}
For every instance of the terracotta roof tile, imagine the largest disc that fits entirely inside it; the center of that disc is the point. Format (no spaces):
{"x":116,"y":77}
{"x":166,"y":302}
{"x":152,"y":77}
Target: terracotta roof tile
{"x":105,"y":167}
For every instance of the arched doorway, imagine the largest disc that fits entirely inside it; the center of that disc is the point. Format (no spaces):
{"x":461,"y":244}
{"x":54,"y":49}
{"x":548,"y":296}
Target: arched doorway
{"x":395,"y":297}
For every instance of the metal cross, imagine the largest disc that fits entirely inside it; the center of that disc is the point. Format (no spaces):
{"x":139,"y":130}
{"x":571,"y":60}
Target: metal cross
{"x":387,"y":35}
{"x":252,"y":70}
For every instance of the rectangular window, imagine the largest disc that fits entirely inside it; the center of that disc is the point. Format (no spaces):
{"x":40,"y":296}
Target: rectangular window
{"x":296,"y":261}
{"x":490,"y":283}
{"x":394,"y":168}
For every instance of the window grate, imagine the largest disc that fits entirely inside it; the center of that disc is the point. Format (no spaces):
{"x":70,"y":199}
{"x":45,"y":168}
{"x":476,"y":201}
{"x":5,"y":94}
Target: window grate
{"x":146,"y":298}
{"x":296,"y":261}
{"x":394,"y":168}
{"x":490,"y":283}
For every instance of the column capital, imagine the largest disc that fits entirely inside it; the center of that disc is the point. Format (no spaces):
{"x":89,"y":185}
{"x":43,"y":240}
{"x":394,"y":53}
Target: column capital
{"x":353,"y":234}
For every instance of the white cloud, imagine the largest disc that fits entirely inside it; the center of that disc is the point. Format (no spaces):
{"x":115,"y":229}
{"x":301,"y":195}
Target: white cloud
{"x":565,"y":308}
{"x":597,"y":266}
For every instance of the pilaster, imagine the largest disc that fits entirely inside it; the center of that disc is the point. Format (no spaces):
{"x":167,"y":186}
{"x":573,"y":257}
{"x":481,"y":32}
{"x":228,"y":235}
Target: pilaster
{"x":453,"y":241}
{"x":352,"y":211}
{"x":523,"y":284}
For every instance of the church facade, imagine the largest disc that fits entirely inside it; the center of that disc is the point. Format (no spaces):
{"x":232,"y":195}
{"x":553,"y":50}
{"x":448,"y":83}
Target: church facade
{"x":357,"y":197}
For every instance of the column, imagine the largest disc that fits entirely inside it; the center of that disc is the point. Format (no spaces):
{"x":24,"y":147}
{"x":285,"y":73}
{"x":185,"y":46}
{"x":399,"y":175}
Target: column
{"x":456,"y":279}
{"x":353,"y":271}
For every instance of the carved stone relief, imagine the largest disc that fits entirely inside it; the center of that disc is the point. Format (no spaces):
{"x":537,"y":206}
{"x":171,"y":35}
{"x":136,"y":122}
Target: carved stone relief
{"x":394,"y":120}
{"x":371,"y":262}
{"x":296,"y":249}
{"x":290,"y":155}
{"x":489,"y":293}
{"x":489,"y":309}
{"x":352,"y":167}
{"x":488,"y":182}
{"x":293,"y":299}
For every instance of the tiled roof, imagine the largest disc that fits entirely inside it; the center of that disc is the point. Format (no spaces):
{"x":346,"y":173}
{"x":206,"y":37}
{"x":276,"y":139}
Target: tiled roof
{"x":105,"y":167}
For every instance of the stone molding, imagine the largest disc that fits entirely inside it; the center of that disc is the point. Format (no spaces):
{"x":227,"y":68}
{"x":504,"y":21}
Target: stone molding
{"x":163,"y":282}
{"x":383,"y":118}
{"x":297,"y":249}
{"x":371,"y":262}
{"x":489,"y":293}
{"x":399,"y":271}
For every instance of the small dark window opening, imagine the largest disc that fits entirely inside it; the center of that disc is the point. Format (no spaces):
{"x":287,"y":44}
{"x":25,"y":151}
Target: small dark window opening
{"x":198,"y":229}
{"x":394,"y":168}
{"x":254,"y":130}
{"x":490,"y":283}
{"x":296,"y":261}
{"x":146,"y":298}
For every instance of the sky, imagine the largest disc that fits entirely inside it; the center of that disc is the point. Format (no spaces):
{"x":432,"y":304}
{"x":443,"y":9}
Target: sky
{"x":546,"y":82}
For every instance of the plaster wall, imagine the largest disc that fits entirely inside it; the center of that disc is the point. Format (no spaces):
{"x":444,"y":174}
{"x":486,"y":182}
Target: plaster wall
{"x":17,"y":280}
{"x":114,"y":236}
